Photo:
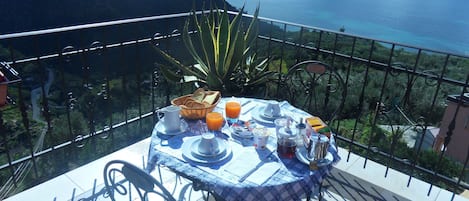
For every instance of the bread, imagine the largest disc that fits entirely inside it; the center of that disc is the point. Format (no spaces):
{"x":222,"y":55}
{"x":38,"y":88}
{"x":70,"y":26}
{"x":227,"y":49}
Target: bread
{"x":194,"y":104}
{"x":203,"y":97}
{"x":211,"y":98}
{"x":198,"y":95}
{"x":199,"y":99}
{"x":197,"y":104}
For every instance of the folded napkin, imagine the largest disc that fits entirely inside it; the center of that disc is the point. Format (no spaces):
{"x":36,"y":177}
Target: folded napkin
{"x":254,"y":164}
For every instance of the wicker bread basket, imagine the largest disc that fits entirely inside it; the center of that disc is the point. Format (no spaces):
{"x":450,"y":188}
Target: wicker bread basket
{"x":195,"y":112}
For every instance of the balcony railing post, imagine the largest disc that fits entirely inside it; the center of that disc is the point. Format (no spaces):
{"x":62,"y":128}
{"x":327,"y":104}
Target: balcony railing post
{"x":299,"y":43}
{"x":67,"y":96}
{"x":361,"y":101}
{"x":318,"y":46}
{"x":380,"y":100}
{"x":27,"y":127}
{"x":138,"y":77}
{"x":107,"y":96}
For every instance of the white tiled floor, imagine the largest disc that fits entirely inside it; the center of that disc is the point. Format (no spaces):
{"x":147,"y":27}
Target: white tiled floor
{"x":82,"y":178}
{"x":395,"y":181}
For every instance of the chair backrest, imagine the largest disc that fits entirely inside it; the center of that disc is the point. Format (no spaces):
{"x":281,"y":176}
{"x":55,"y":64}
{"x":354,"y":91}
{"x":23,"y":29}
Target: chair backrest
{"x":124,"y":179}
{"x":316,"y":88}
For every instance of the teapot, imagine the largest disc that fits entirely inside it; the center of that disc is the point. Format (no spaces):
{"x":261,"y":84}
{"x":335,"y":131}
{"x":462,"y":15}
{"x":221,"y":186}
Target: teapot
{"x":316,"y":146}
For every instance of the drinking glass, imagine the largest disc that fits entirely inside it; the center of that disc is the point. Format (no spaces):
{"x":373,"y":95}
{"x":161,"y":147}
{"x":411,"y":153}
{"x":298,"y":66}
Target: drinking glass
{"x":261,"y":135}
{"x":214,"y":121}
{"x":232,"y":110}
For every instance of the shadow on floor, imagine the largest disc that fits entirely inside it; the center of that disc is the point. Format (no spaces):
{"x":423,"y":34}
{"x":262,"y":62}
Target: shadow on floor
{"x":338,"y":186}
{"x":350,"y":187}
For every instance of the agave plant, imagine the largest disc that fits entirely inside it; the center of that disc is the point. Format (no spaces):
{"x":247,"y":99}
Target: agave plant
{"x":221,"y":50}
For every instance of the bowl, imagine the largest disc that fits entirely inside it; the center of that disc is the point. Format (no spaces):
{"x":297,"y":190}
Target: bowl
{"x":196,"y":112}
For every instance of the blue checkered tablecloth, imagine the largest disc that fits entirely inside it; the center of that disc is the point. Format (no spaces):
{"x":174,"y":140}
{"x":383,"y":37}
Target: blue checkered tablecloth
{"x":292,"y":181}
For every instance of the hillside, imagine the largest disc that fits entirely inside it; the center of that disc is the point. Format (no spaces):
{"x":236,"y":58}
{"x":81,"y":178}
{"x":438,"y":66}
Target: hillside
{"x":27,"y":15}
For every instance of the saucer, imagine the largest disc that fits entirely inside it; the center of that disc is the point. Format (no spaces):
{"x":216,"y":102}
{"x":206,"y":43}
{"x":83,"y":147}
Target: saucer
{"x":301,"y":156}
{"x":162,"y":130}
{"x":259,"y":115}
{"x":195,"y":149}
{"x":190,"y":152}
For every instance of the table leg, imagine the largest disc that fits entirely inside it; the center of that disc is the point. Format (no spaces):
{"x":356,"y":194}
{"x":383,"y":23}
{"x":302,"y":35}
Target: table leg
{"x":320,"y":191}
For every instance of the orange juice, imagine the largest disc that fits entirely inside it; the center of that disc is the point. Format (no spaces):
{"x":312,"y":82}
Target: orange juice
{"x":214,"y":121}
{"x":232,"y":109}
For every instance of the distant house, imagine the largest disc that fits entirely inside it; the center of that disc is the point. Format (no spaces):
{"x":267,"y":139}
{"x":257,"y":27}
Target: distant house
{"x":457,"y":147}
{"x":428,"y":140}
{"x":412,"y":135}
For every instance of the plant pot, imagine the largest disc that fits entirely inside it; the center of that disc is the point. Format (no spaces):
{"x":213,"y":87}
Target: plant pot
{"x":3,"y":89}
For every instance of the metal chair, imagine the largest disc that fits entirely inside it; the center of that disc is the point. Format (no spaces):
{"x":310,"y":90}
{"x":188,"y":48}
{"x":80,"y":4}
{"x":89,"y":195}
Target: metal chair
{"x":318,"y":89}
{"x":315,"y":87}
{"x":121,"y":177}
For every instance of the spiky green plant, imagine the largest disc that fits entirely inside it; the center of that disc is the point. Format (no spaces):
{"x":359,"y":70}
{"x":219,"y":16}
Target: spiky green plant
{"x":221,"y":50}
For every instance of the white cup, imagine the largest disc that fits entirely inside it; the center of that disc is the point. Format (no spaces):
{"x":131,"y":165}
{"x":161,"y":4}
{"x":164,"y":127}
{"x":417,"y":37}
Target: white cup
{"x":272,"y":109}
{"x":171,"y":120}
{"x":208,"y":144}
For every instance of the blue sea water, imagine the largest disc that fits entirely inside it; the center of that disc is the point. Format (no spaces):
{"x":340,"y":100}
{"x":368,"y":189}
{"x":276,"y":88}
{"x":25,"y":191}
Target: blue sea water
{"x":434,"y":24}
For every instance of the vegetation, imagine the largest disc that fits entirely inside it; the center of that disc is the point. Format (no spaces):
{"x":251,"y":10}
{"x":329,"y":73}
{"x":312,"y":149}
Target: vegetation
{"x":393,"y":144}
{"x":222,"y":52}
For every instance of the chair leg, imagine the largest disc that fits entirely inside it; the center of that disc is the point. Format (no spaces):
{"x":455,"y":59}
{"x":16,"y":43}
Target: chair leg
{"x":208,"y":195}
{"x":159,"y":174}
{"x":183,"y":192}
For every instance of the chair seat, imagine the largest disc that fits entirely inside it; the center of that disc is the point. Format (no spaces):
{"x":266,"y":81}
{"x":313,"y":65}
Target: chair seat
{"x":123,"y":179}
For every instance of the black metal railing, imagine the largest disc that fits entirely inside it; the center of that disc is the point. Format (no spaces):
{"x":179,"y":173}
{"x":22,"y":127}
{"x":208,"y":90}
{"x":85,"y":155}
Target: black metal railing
{"x":91,"y":89}
{"x":388,"y":84}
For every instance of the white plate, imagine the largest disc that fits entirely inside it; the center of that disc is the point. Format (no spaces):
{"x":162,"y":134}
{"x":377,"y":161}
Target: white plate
{"x":259,"y":115}
{"x":243,"y":134}
{"x":240,"y":131}
{"x":190,"y":152}
{"x":301,"y":156}
{"x":268,"y":116}
{"x":162,"y":130}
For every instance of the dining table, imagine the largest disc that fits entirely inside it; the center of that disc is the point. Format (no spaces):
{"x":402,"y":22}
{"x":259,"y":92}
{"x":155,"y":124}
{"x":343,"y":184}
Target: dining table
{"x":244,"y":172}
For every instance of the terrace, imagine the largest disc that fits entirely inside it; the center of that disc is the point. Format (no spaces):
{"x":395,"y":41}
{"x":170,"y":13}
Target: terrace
{"x":77,"y":94}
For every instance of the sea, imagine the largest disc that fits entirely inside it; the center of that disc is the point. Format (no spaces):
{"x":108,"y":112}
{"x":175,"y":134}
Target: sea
{"x":433,"y":24}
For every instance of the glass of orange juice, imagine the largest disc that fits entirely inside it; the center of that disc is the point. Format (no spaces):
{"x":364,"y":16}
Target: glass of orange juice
{"x":232,"y":110}
{"x":214,"y":121}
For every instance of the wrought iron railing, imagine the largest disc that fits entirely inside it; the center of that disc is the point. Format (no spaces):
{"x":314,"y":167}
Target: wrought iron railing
{"x":91,"y":89}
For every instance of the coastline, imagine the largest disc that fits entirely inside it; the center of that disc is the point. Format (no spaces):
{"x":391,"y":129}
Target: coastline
{"x":401,"y":22}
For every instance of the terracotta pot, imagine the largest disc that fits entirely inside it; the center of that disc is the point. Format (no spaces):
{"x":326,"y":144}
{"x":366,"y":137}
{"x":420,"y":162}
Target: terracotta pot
{"x":3,"y":89}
